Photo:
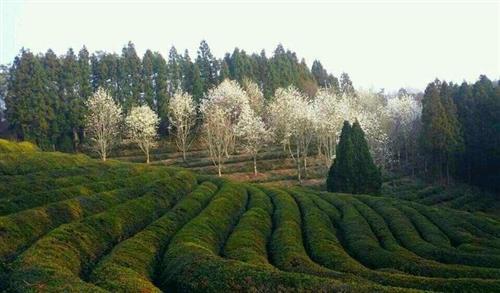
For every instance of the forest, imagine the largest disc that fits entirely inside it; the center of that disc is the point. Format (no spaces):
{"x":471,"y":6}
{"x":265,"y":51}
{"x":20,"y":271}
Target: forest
{"x":449,"y":132}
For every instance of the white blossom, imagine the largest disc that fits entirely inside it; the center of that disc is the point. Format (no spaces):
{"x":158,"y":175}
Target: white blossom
{"x":221,"y":112}
{"x":182,"y":115}
{"x":142,"y":124}
{"x":102,"y":122}
{"x":252,"y":133}
{"x":292,"y":120}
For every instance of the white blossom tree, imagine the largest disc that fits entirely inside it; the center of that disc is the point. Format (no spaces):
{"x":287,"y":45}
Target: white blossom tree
{"x":142,"y":125}
{"x":102,"y":122}
{"x":292,"y":120}
{"x":182,"y":115}
{"x":404,"y":115}
{"x":252,"y":133}
{"x":221,"y":112}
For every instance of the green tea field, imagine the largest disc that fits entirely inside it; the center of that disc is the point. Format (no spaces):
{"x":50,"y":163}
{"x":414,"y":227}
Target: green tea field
{"x":69,"y":223}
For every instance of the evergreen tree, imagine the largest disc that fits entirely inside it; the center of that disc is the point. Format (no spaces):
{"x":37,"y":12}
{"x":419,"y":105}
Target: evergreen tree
{"x":367,"y":176}
{"x":130,"y":77}
{"x":71,"y":102}
{"x":207,"y":65}
{"x":148,"y":77}
{"x":174,"y":72}
{"x":160,"y":104}
{"x":86,"y":90}
{"x":197,"y":90}
{"x":340,"y":176}
{"x":27,"y":100}
{"x":353,"y":170}
{"x":346,"y":86}
{"x":52,"y":68}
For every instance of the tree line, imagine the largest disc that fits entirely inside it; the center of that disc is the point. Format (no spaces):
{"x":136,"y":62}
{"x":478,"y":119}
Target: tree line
{"x":460,"y":136}
{"x":44,"y":94}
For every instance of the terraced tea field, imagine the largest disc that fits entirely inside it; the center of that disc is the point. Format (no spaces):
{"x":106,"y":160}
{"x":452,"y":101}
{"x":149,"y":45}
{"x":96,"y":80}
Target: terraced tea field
{"x":69,"y":223}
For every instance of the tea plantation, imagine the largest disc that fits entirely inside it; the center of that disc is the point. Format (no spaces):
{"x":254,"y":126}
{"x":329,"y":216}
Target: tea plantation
{"x":70,"y":223}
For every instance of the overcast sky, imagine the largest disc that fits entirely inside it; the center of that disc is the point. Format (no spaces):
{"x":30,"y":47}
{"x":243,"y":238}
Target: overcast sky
{"x":381,"y":44}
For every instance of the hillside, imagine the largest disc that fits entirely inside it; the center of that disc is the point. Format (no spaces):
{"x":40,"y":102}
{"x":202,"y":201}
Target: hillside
{"x":72,"y":223}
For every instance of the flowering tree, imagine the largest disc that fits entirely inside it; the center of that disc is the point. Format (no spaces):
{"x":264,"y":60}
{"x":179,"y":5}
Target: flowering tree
{"x":102,"y":122}
{"x":142,"y":124}
{"x":328,"y":119}
{"x":252,"y":133}
{"x":183,"y":117}
{"x":292,"y":119}
{"x":255,"y":96}
{"x":404,"y":114}
{"x":221,"y":112}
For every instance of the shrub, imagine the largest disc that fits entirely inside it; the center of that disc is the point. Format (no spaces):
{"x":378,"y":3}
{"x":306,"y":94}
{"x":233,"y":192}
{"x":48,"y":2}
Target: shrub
{"x":17,"y":147}
{"x":248,"y":242}
{"x":131,"y":265}
{"x":60,"y":259}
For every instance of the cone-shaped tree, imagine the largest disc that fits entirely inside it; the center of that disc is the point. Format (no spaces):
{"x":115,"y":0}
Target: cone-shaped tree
{"x":340,"y":176}
{"x":353,"y":170}
{"x":367,"y":175}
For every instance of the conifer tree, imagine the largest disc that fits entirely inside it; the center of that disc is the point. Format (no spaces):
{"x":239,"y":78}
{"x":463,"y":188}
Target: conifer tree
{"x":367,"y":176}
{"x":340,"y":176}
{"x":148,"y":77}
{"x":207,"y":66}
{"x":353,"y":170}
{"x":174,"y":72}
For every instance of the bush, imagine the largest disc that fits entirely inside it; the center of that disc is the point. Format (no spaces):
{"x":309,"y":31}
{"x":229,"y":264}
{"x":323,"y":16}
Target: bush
{"x":248,"y":242}
{"x":131,"y":265}
{"x":59,"y":260}
{"x":17,"y":147}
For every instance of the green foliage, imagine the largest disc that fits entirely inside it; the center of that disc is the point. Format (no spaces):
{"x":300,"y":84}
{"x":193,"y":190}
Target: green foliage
{"x":353,"y":170}
{"x":60,"y":259}
{"x":248,"y":241}
{"x":122,"y":227}
{"x":7,"y":146}
{"x":131,"y":265}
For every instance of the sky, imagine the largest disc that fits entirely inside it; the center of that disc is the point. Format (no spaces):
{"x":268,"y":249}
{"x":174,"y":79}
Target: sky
{"x":380,"y":44}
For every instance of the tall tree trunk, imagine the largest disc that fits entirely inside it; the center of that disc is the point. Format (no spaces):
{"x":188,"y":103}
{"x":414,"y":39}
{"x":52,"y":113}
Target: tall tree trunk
{"x":255,"y":165}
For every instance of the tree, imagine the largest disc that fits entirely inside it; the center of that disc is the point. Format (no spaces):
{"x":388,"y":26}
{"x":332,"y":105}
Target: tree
{"x":130,"y":77}
{"x":102,"y":123}
{"x":367,"y":176}
{"x":340,"y":176}
{"x":182,"y":115}
{"x":142,"y":125}
{"x":440,"y":136}
{"x":404,"y":113}
{"x":221,"y":112}
{"x":353,"y":170}
{"x":346,"y":86}
{"x":174,"y":72}
{"x":252,"y":133}
{"x":148,"y":79}
{"x":208,"y":66}
{"x":292,"y":120}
